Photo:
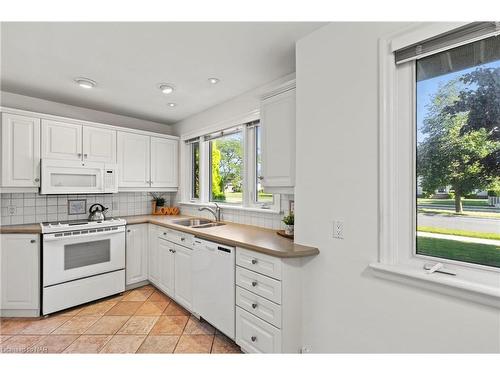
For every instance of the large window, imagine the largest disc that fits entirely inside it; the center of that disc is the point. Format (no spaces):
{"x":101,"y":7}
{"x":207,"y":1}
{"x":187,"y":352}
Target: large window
{"x":260,"y":195}
{"x":195,"y":170}
{"x":226,"y":166}
{"x":458,"y":153}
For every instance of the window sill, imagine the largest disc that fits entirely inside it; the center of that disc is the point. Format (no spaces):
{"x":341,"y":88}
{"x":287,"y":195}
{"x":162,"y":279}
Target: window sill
{"x":445,"y":284}
{"x":236,"y":208}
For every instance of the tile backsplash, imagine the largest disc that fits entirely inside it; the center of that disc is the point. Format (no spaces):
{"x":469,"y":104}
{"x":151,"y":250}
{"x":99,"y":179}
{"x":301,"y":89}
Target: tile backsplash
{"x":25,"y":208}
{"x":260,"y":218}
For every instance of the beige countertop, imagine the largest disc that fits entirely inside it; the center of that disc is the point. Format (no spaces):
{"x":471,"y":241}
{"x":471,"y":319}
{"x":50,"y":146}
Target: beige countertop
{"x":250,"y":237}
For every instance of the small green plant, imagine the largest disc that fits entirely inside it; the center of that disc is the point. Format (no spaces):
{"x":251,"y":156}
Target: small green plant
{"x":289,"y":219}
{"x":158,"y":198}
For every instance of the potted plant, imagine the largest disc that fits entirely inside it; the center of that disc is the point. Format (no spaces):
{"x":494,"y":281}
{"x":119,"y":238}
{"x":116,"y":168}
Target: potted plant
{"x":158,"y":199}
{"x":289,"y":223}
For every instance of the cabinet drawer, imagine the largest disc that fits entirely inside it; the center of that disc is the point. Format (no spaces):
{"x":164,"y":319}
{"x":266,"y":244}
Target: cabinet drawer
{"x":261,"y":307}
{"x":261,"y":263}
{"x":259,"y":284}
{"x":180,"y":238}
{"x":256,"y":336}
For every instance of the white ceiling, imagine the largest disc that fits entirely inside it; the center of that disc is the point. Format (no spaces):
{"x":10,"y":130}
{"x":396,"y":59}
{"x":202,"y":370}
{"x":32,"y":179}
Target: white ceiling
{"x":128,"y":60}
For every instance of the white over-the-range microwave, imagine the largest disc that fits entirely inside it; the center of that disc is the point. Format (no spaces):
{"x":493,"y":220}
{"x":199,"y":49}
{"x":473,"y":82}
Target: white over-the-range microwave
{"x":77,"y":177}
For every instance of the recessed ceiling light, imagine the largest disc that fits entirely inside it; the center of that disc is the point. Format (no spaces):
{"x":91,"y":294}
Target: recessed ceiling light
{"x":171,"y":105}
{"x":166,"y":88}
{"x":214,"y":80}
{"x":86,"y":83}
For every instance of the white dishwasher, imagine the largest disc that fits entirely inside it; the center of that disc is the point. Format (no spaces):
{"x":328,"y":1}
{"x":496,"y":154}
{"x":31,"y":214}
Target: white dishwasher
{"x":213,"y":284}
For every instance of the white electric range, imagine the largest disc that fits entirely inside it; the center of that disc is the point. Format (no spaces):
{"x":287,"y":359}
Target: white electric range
{"x":82,"y":261}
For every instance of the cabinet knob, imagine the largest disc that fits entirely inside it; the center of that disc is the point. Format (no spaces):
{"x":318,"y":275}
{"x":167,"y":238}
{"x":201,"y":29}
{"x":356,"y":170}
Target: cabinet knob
{"x":32,"y":241}
{"x":128,"y":230}
{"x":261,"y":178}
{"x":84,"y":155}
{"x":79,"y":154}
{"x":254,"y":283}
{"x":173,"y":251}
{"x":253,"y":338}
{"x":254,"y":305}
{"x":254,"y":261}
{"x":164,"y":233}
{"x":37,"y":179}
{"x":183,"y":239}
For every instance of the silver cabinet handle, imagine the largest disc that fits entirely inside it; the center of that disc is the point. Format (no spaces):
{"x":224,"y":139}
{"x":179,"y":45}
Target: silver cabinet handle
{"x":253,"y":338}
{"x":261,"y":178}
{"x":254,"y":283}
{"x":37,"y":179}
{"x":32,"y":241}
{"x":254,"y":305}
{"x":254,"y":261}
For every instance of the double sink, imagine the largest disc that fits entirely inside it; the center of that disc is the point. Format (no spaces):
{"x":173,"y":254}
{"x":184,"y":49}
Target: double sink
{"x":198,"y":223}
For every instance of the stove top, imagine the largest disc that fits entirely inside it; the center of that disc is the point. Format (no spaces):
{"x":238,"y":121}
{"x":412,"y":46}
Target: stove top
{"x":62,"y":226}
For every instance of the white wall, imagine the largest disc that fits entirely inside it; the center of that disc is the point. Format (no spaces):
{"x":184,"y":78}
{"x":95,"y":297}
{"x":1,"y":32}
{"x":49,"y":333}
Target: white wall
{"x":347,"y":309}
{"x":236,"y":107}
{"x":28,"y":103}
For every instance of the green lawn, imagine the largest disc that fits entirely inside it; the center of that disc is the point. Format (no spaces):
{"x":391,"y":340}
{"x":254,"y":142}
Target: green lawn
{"x":238,"y":198}
{"x":451,"y":202}
{"x":458,"y":232}
{"x":488,"y":255}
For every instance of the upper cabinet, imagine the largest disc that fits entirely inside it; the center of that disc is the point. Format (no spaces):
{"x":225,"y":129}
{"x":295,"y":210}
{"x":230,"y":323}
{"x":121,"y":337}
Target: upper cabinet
{"x":133,"y":160}
{"x":99,"y":144}
{"x":278,"y":139}
{"x":68,"y":141}
{"x":61,"y":140}
{"x":164,"y":153}
{"x":20,"y":151}
{"x":147,"y":162}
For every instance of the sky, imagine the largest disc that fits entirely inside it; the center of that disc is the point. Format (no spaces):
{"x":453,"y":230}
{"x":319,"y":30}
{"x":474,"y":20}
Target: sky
{"x":428,"y":87}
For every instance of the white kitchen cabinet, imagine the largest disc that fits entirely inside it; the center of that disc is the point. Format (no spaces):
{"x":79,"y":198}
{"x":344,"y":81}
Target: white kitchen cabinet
{"x":99,"y":144}
{"x":20,"y":275}
{"x":133,"y":160}
{"x":61,"y":140}
{"x":164,"y":153}
{"x":183,"y":289}
{"x":166,"y":282}
{"x":278,"y":140}
{"x":153,"y":257}
{"x":136,"y":253}
{"x":20,"y":151}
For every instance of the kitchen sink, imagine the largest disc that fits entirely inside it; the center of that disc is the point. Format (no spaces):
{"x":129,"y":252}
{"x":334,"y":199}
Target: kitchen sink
{"x":198,"y":223}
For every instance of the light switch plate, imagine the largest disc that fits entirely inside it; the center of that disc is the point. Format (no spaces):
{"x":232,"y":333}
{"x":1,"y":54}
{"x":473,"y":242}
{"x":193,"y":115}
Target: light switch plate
{"x":11,"y":210}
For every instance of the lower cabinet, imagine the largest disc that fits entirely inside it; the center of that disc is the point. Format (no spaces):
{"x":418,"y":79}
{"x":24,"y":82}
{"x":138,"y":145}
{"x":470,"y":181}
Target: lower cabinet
{"x":20,"y":275}
{"x":153,"y":256}
{"x":183,"y":288}
{"x":166,"y":264}
{"x":136,"y":253}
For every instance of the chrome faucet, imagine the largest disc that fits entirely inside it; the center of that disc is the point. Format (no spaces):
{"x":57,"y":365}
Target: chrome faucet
{"x":216,"y":212}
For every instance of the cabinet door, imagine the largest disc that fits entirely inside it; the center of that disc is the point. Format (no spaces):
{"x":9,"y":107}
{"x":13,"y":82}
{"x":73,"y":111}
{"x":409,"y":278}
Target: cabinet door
{"x":166,"y":266}
{"x":153,"y":269}
{"x":99,"y":144}
{"x":137,"y":253}
{"x":163,"y":162}
{"x":61,"y":140}
{"x":20,"y":272}
{"x":20,"y":151}
{"x":133,"y":160}
{"x":278,"y":140}
{"x":183,"y":289}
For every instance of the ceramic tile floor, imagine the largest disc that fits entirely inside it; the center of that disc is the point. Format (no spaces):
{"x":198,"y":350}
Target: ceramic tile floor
{"x":143,"y":320}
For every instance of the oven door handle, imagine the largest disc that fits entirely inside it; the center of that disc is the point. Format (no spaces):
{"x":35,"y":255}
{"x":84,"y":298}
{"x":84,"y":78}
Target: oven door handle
{"x":52,"y":236}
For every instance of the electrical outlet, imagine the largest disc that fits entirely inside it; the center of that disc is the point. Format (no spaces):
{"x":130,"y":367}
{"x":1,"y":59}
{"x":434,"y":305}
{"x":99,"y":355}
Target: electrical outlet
{"x":12,"y":210}
{"x":338,"y":229}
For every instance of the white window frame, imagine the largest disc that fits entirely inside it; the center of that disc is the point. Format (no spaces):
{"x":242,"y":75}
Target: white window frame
{"x":398,"y":260}
{"x":249,"y":168}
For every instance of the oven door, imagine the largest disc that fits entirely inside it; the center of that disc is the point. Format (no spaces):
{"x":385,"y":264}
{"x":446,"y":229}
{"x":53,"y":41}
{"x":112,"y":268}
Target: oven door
{"x":78,"y":254}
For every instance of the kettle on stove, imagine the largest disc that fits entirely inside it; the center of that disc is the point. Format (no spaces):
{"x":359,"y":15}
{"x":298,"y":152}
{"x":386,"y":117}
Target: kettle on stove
{"x":97,"y":212}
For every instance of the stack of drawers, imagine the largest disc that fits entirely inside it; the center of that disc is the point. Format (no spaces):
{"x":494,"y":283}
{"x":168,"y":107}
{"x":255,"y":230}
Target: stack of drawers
{"x":258,"y":302}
